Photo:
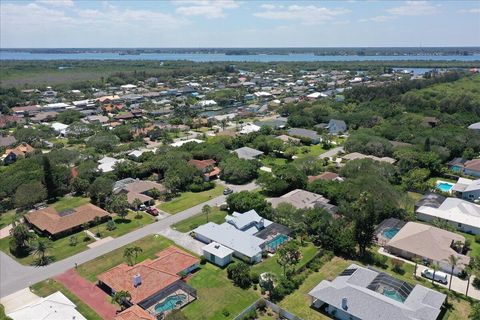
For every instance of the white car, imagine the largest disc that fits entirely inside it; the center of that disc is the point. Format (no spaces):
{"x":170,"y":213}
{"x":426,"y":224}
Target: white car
{"x":440,"y":276}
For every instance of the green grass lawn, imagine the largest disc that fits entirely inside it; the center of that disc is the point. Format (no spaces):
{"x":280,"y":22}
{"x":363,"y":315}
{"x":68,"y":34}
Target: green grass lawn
{"x":215,"y":294}
{"x":313,"y":150}
{"x":191,"y":223}
{"x":61,"y":248}
{"x":299,"y":302}
{"x":474,"y":245}
{"x":189,"y":199}
{"x":7,"y":218}
{"x":129,"y":224}
{"x":50,"y":286}
{"x":67,"y":203}
{"x":150,"y":245}
{"x":272,"y":162}
{"x":270,"y":264}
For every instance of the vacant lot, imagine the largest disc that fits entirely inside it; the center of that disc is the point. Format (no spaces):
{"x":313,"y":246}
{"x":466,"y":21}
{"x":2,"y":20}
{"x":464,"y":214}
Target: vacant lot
{"x":189,"y":199}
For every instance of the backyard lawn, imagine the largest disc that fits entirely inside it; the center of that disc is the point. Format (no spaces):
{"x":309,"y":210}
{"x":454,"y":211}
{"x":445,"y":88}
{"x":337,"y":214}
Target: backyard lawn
{"x":150,"y":245}
{"x":473,"y":244}
{"x":189,"y":199}
{"x":50,"y":286}
{"x":123,"y":226}
{"x":272,"y":162}
{"x":216,"y":294}
{"x":313,"y":150}
{"x":61,"y":248}
{"x":67,"y":203}
{"x":271,"y":265}
{"x":191,"y":223}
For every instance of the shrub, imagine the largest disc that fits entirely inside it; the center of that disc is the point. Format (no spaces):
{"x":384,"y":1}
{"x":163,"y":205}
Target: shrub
{"x":254,"y":287}
{"x":203,"y":260}
{"x":380,"y":260}
{"x":111,"y":225}
{"x":397,"y":265}
{"x":477,"y":238}
{"x":476,"y":283}
{"x":239,"y":273}
{"x":73,"y":240}
{"x":225,"y":313}
{"x":254,"y":277}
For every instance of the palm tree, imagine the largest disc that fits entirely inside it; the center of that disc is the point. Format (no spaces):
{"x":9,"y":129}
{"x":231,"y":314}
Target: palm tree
{"x":206,"y":210}
{"x":131,"y":254}
{"x":468,"y":271}
{"x":452,"y":261}
{"x":417,"y":261}
{"x":121,"y":297}
{"x":40,"y":249}
{"x":97,"y":221}
{"x":137,"y":203}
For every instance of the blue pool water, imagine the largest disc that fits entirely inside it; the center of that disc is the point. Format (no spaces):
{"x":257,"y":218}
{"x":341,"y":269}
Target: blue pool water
{"x":277,"y":241}
{"x":170,"y":303}
{"x":392,"y":294}
{"x":390,"y":232}
{"x":444,"y":186}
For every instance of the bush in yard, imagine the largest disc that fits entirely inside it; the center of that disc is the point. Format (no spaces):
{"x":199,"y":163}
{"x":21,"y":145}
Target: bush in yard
{"x":476,"y":283}
{"x":73,"y":240}
{"x":380,"y":260}
{"x":477,"y":238}
{"x":397,"y":265}
{"x":203,"y":260}
{"x":111,"y":225}
{"x":254,"y":277}
{"x":239,"y":273}
{"x":225,"y":312}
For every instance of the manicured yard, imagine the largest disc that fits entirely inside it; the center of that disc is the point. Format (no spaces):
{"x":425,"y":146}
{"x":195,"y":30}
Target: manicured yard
{"x":271,"y":265}
{"x":61,"y":248}
{"x":67,"y":203}
{"x":150,"y":245}
{"x":7,"y":218}
{"x":313,"y":150}
{"x":124,"y":226}
{"x":189,"y":199}
{"x":216,"y":293}
{"x":191,"y":223}
{"x":50,"y":286}
{"x":272,"y":162}
{"x":474,"y":245}
{"x":299,"y":302}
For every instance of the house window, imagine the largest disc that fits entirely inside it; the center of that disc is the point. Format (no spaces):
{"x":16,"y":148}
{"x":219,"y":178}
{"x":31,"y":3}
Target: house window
{"x":459,"y":225}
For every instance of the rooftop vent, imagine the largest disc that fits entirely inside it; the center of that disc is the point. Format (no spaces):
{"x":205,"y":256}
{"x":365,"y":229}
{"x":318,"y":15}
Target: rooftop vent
{"x":344,"y":304}
{"x":137,"y":280}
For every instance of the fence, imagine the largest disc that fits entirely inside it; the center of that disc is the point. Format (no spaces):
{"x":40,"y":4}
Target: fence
{"x":282,"y":313}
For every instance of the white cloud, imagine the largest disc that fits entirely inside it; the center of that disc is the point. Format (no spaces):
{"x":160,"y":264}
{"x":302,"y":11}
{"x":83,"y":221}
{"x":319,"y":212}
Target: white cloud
{"x":209,"y":9}
{"x":378,"y":19}
{"x":473,"y":10}
{"x":414,"y":8}
{"x":56,"y":3}
{"x":307,"y":15}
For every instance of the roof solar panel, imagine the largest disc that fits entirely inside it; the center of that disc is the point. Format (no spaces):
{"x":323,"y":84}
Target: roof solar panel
{"x":348,"y":272}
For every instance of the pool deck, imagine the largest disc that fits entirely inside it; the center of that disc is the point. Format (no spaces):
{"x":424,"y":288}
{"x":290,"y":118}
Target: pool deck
{"x":187,"y":300}
{"x":439,"y":182}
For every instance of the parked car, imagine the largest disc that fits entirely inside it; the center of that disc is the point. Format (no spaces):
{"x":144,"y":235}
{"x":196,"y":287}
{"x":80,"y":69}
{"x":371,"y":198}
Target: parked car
{"x":227,"y":191}
{"x":143,"y":207}
{"x":440,"y":276}
{"x":153,"y":211}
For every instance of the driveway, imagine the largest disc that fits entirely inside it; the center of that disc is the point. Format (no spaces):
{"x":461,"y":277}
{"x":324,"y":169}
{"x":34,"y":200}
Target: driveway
{"x":14,"y":276}
{"x":183,"y":240}
{"x":18,"y":300}
{"x":331,"y":153}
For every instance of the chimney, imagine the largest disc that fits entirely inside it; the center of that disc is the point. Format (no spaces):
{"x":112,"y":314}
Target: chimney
{"x":344,"y":304}
{"x":137,"y":280}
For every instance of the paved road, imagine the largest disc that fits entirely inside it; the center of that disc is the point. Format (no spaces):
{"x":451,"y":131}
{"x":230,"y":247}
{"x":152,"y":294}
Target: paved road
{"x":14,"y":276}
{"x":331,"y":153}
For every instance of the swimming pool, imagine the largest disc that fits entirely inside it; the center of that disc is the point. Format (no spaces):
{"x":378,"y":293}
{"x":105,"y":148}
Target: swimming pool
{"x":392,"y":294}
{"x":277,"y":241}
{"x":390,"y":232}
{"x":444,"y":186}
{"x":170,"y":303}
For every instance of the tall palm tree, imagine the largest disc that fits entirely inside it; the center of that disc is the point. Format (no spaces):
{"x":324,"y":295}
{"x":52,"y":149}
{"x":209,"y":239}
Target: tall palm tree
{"x":121,"y":297}
{"x":131,"y":254}
{"x":137,"y":203}
{"x":452,"y":261}
{"x":206,"y":210}
{"x":417,"y":261}
{"x":468,"y":271}
{"x":40,"y":249}
{"x":435,"y":268}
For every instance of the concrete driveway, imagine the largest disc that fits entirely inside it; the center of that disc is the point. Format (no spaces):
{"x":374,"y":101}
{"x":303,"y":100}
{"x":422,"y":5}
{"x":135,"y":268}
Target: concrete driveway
{"x":18,"y":300}
{"x":183,"y":239}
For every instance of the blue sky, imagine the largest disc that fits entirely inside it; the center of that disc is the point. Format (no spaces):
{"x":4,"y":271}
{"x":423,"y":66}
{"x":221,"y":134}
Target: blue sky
{"x":232,"y":23}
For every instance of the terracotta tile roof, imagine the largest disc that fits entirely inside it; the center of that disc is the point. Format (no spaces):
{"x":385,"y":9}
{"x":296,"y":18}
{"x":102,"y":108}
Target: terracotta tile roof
{"x":201,"y":164}
{"x":22,"y":149}
{"x":155,"y":274}
{"x":472,"y":165}
{"x":324,"y":176}
{"x":134,"y":313}
{"x":214,"y":172}
{"x":54,"y":222}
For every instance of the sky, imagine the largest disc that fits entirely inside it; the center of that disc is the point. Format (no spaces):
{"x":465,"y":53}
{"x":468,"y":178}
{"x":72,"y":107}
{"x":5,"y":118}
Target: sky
{"x":237,"y":23}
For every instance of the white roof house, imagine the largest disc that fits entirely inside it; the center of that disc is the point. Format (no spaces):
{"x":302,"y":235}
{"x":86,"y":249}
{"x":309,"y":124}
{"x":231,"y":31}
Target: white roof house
{"x":207,"y":103}
{"x":59,"y":127}
{"x":248,"y":153}
{"x":128,"y":86}
{"x":316,"y":95}
{"x":249,"y":222}
{"x":467,"y":189}
{"x":249,"y":128}
{"x":361,"y":293}
{"x":54,"y":307}
{"x":218,"y":250}
{"x":463,"y":215}
{"x":106,"y":164}
{"x":182,"y":142}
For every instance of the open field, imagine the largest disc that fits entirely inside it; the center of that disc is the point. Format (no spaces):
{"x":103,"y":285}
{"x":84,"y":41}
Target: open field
{"x":216,"y":293}
{"x":50,"y":286}
{"x":191,"y":223}
{"x":189,"y":199}
{"x":150,"y":245}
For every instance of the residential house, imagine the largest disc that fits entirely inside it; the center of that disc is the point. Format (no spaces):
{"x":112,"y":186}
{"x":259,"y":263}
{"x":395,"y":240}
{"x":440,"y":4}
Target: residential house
{"x":153,"y":282}
{"x":207,"y":167}
{"x":107,"y":164}
{"x":20,"y":151}
{"x":50,"y":222}
{"x":336,"y":126}
{"x":326,"y":176}
{"x":461,"y":214}
{"x":53,"y":307}
{"x":466,"y":167}
{"x":248,"y":153}
{"x":182,"y":142}
{"x":138,"y":189}
{"x":217,"y":254}
{"x":7,"y":141}
{"x":302,"y":199}
{"x":44,"y":116}
{"x":457,"y":164}
{"x":287,"y":139}
{"x":467,"y":189}
{"x":433,"y":245}
{"x":363,"y":293}
{"x":305,"y":134}
{"x":8,"y":120}
{"x":135,"y":313}
{"x":475,"y":126}
{"x":358,"y":155}
{"x":249,"y":128}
